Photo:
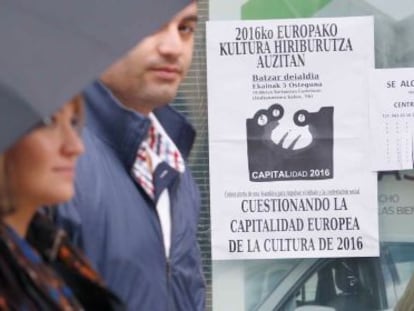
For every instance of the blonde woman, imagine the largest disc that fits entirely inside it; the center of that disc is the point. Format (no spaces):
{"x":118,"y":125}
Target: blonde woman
{"x":47,"y":273}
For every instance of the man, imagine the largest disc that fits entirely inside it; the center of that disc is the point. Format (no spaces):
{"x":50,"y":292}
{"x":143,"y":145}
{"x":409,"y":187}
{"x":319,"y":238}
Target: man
{"x":136,"y":207}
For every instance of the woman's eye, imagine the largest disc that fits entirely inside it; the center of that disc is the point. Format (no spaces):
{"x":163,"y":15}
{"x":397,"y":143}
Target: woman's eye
{"x":74,"y":121}
{"x":77,"y":123}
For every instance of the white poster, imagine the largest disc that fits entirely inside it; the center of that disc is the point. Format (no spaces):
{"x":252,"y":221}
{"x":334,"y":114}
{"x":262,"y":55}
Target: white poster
{"x":288,"y":105}
{"x":392,"y":118}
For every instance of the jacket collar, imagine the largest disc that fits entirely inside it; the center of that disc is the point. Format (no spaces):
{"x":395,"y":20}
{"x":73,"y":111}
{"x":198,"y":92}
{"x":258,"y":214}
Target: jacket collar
{"x":124,"y":129}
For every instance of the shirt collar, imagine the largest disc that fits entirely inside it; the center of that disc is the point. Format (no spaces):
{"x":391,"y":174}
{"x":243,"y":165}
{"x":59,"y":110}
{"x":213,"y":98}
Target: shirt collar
{"x":156,"y":151}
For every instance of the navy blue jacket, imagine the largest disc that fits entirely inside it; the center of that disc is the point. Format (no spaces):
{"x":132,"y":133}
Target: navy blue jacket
{"x":116,"y":223}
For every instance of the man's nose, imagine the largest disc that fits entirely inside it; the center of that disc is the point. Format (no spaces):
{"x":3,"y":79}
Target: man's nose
{"x":170,"y":43}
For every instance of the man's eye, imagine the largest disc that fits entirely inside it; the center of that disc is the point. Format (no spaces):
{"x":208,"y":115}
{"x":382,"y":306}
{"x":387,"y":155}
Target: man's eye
{"x":186,"y":28}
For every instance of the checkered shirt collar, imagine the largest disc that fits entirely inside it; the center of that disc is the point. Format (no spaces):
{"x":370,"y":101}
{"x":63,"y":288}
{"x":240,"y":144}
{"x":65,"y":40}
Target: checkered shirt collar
{"x":155,"y":149}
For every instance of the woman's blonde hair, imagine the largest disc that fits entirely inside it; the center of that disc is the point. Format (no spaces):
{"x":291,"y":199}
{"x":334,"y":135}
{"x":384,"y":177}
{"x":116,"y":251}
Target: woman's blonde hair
{"x":6,"y":202}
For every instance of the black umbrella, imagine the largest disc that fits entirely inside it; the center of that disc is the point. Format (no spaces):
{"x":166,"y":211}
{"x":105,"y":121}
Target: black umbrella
{"x":50,"y":49}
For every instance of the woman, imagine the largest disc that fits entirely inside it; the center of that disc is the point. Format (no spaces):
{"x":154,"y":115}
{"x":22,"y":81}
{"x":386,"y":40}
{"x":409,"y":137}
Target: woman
{"x":47,"y":274}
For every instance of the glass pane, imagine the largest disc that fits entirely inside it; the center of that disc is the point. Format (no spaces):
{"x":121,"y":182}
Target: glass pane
{"x":263,"y":276}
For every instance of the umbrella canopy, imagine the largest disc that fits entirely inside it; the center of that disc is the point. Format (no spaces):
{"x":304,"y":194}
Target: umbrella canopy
{"x":50,"y":49}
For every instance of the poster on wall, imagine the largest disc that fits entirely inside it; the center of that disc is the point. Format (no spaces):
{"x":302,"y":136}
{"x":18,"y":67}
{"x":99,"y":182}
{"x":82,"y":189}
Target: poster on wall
{"x":288,"y":106}
{"x":392,"y":118}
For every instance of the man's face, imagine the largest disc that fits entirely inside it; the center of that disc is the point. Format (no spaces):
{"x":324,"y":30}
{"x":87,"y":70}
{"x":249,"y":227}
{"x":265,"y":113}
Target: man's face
{"x":150,"y":74}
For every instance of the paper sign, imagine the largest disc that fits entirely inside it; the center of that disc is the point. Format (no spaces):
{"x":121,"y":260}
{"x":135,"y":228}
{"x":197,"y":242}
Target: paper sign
{"x":392,"y":118}
{"x":289,"y":141}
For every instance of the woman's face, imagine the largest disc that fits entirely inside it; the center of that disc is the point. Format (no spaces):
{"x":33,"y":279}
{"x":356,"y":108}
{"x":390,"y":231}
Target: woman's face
{"x":41,"y":165}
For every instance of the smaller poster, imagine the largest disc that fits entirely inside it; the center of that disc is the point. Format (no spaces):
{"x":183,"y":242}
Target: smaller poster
{"x":392,"y":118}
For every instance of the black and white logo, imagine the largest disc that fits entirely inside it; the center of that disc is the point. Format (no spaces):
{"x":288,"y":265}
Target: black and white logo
{"x":290,"y":146}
